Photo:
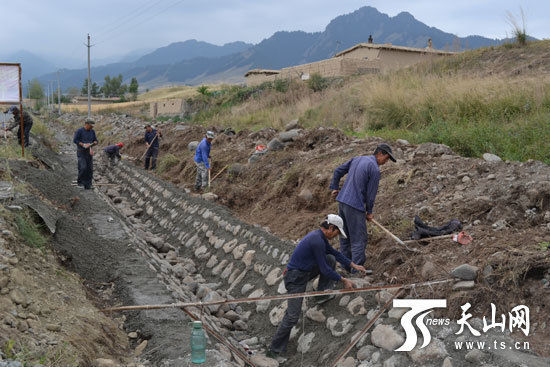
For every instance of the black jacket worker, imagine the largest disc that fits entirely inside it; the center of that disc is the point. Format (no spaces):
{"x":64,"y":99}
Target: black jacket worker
{"x":85,"y":138}
{"x":27,"y":124}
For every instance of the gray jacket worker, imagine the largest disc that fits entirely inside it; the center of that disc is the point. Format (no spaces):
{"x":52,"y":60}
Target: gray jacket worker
{"x":27,"y":124}
{"x":313,"y":257}
{"x":357,"y":197}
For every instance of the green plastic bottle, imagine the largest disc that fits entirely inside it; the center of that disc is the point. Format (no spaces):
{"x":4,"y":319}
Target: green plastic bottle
{"x":198,"y":343}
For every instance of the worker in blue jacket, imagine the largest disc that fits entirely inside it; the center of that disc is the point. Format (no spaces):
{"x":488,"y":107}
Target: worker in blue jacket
{"x":356,"y":198}
{"x":313,"y":257}
{"x":85,"y":138}
{"x":202,"y":153}
{"x":152,"y":137}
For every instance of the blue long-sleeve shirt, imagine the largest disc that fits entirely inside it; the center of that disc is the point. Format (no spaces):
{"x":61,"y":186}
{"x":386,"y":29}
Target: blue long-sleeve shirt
{"x":84,"y":136}
{"x":149,"y":136}
{"x":311,"y":251}
{"x":361,"y":185}
{"x":203,"y":152}
{"x":113,"y":150}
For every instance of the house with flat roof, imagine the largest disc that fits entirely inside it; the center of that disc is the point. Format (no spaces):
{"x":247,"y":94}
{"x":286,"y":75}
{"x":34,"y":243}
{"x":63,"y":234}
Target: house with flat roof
{"x":362,"y":58}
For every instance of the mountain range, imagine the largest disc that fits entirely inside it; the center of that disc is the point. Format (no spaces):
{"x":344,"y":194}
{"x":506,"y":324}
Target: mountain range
{"x":194,"y":62}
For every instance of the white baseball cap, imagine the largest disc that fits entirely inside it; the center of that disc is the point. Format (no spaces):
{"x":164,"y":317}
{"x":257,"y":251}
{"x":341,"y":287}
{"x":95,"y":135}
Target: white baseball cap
{"x":210,"y":134}
{"x":338,"y":222}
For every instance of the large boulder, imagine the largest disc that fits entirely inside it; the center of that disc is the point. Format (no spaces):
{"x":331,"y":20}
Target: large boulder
{"x":192,"y":146}
{"x":491,"y":157}
{"x":275,"y":144}
{"x":384,"y":336}
{"x":290,"y":135}
{"x":465,"y":272}
{"x":432,"y":150}
{"x":292,"y":125}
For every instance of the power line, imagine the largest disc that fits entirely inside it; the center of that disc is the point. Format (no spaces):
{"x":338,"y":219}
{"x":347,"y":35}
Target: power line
{"x":136,"y":12}
{"x":130,"y":16}
{"x":141,"y":22}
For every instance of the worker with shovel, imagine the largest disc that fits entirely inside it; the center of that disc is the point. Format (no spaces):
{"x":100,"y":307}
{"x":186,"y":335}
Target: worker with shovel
{"x":314,"y":256}
{"x":152,"y":142}
{"x":357,"y":197}
{"x":202,"y":154}
{"x":27,"y":124}
{"x":85,"y":138}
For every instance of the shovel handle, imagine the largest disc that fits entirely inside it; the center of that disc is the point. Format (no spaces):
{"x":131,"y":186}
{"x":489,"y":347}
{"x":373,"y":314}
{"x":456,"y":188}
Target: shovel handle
{"x":146,"y":150}
{"x":394,"y":237}
{"x":217,"y":174}
{"x":431,"y":238}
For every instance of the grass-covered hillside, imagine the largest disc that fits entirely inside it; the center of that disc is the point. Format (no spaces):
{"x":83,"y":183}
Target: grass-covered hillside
{"x":489,"y":100}
{"x":494,"y":99}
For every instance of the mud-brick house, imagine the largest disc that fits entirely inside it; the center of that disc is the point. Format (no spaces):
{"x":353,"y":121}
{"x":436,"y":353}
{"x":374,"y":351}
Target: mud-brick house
{"x":360,"y":59}
{"x":259,"y":76}
{"x":170,"y":107}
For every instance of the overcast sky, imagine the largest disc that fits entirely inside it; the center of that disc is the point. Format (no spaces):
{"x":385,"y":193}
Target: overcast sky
{"x":118,"y":27}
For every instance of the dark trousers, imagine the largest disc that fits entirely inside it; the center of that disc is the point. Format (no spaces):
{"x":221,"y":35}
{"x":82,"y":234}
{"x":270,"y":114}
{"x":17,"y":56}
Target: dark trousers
{"x":296,"y":282}
{"x":111,"y":159}
{"x":151,"y":155}
{"x":85,"y":169}
{"x":355,"y":226}
{"x":26,"y":133}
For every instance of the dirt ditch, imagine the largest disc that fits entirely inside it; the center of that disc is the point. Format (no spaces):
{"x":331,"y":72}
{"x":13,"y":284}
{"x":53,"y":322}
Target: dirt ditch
{"x":151,"y":242}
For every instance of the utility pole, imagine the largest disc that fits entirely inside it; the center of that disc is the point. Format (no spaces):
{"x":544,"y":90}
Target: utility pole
{"x":51,"y":95}
{"x":89,"y":81}
{"x":58,"y":96}
{"x":48,"y":97}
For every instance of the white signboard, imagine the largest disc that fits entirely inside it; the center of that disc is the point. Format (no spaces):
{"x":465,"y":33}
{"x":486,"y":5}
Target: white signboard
{"x":9,"y":83}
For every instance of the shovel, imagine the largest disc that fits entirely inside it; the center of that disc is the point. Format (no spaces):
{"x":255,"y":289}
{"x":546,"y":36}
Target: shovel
{"x":462,"y":237}
{"x":152,"y":141}
{"x":393,"y":237}
{"x":217,"y":174}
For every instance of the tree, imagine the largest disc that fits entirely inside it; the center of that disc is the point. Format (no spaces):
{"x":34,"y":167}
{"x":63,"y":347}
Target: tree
{"x":84,"y":90}
{"x":64,"y":98}
{"x":36,"y":90}
{"x":95,"y":90}
{"x":133,"y":88}
{"x":113,"y":87}
{"x":106,"y":89}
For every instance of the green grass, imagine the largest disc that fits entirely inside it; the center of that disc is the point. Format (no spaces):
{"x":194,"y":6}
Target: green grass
{"x":30,"y":231}
{"x":166,"y":162}
{"x":519,"y":139}
{"x":10,"y":149}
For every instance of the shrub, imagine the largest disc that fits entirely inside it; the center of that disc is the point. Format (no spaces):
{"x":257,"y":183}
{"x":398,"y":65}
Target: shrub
{"x":519,"y":32}
{"x":30,"y":231}
{"x":316,"y":82}
{"x":281,"y":85}
{"x":203,"y":90}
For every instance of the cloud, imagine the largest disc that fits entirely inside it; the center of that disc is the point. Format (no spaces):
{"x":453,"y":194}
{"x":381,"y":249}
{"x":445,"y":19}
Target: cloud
{"x":59,"y":27}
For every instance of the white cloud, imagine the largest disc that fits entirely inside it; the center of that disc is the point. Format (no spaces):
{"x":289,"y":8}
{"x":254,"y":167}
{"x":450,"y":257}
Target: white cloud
{"x":120,"y":26}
